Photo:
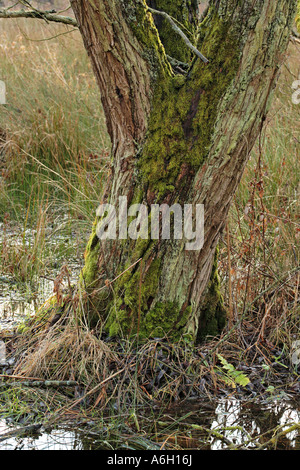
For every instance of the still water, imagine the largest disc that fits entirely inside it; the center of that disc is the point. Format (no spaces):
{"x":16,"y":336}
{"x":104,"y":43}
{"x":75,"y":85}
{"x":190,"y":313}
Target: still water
{"x":240,"y":423}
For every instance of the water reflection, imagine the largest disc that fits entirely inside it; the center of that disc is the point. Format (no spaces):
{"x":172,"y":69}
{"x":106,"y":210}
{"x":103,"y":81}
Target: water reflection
{"x":19,"y":300}
{"x":16,"y":306}
{"x":242,"y":424}
{"x":229,"y":415}
{"x":56,"y":440}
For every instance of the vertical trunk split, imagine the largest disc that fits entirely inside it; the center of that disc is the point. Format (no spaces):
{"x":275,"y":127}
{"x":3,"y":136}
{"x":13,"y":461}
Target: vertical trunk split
{"x":176,"y":139}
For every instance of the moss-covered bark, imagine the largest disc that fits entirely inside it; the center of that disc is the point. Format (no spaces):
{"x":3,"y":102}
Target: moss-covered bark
{"x":185,"y":12}
{"x":185,"y":109}
{"x":213,"y":316}
{"x":176,"y":139}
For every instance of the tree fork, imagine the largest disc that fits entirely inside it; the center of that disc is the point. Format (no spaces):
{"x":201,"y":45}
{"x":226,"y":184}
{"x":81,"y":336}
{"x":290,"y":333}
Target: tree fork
{"x":185,"y":12}
{"x":176,"y":139}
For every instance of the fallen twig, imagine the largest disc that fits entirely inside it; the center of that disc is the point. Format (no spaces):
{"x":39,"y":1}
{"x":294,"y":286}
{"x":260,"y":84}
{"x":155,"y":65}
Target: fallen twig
{"x":42,"y":383}
{"x":274,"y":440}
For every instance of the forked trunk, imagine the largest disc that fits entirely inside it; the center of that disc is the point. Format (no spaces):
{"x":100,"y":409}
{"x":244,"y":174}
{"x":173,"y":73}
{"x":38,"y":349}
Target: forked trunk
{"x":179,"y":136}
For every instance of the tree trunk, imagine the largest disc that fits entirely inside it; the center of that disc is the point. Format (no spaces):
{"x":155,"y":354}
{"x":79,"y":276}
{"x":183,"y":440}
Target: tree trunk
{"x":179,"y":136}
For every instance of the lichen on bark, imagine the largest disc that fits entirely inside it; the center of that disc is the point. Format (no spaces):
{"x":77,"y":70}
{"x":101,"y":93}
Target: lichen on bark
{"x":185,"y":12}
{"x":191,"y":140}
{"x":181,"y":126}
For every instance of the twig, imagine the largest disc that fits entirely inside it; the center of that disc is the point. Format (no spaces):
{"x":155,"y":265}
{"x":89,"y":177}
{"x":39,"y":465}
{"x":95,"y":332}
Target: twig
{"x":21,"y":377}
{"x":69,"y":407}
{"x":12,"y":6}
{"x":38,"y":384}
{"x":28,"y":5}
{"x":39,"y":14}
{"x":177,"y":63}
{"x":275,"y":438}
{"x":180,"y":32}
{"x":49,"y":38}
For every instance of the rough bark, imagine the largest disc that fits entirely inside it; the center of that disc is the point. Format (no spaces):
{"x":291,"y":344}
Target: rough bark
{"x":176,"y":138}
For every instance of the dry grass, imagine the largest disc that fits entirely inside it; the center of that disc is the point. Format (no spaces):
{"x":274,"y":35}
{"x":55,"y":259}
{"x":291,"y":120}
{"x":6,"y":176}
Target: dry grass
{"x":54,"y":148}
{"x":56,"y":143}
{"x":264,"y":223}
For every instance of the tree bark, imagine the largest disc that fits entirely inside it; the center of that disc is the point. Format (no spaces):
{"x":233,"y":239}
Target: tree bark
{"x":180,"y":138}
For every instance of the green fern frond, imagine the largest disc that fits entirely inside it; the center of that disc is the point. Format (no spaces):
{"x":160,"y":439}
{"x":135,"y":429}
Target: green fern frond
{"x":233,"y":376}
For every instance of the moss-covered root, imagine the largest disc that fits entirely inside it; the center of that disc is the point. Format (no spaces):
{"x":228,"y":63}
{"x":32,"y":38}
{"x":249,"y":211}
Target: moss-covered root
{"x":46,"y":316}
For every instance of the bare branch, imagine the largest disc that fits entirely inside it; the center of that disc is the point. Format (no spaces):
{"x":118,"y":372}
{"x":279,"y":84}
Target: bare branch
{"x":39,"y":14}
{"x":295,"y":39}
{"x":180,"y":32}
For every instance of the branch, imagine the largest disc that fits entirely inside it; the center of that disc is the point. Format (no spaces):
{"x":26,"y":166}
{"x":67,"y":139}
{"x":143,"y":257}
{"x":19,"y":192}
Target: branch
{"x":177,"y":65}
{"x":42,"y":15}
{"x":294,"y":39}
{"x":275,"y":439}
{"x":295,"y":33}
{"x":178,"y":31}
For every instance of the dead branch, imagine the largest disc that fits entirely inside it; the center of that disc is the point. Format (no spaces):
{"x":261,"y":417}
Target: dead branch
{"x":39,"y":14}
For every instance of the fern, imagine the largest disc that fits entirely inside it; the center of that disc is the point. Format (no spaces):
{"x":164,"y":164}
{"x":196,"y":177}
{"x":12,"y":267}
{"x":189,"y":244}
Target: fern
{"x":232,"y":376}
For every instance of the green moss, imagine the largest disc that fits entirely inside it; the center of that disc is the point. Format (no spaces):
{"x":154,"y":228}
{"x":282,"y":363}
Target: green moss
{"x":184,"y":11}
{"x":142,"y":24}
{"x":213,"y":314}
{"x":42,"y":317}
{"x":134,"y":295}
{"x":132,"y":306}
{"x":130,"y":302}
{"x":184,"y":110}
{"x":165,"y":318}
